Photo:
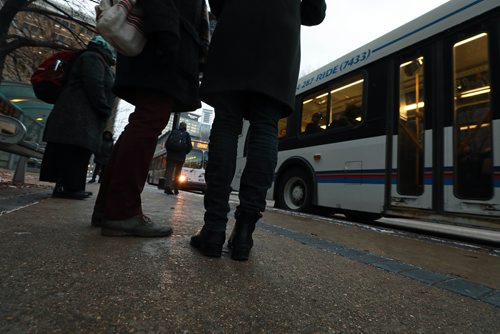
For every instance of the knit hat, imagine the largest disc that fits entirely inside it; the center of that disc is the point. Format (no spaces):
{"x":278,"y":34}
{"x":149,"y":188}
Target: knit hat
{"x":99,"y":42}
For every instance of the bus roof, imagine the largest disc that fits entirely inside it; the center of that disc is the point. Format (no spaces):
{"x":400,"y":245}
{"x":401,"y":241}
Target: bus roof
{"x":441,"y":18}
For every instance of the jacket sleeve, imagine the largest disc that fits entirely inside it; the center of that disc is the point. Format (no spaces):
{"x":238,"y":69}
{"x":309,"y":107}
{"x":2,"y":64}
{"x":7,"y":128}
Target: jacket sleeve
{"x":189,"y":144}
{"x":92,"y":73}
{"x":216,"y":6}
{"x":312,"y":12}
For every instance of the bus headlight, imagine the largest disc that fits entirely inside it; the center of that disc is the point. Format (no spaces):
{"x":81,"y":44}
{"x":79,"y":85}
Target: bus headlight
{"x":182,"y":178}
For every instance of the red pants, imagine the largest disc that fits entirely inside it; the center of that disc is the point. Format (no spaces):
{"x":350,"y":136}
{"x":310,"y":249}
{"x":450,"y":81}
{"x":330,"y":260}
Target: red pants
{"x":126,"y":173}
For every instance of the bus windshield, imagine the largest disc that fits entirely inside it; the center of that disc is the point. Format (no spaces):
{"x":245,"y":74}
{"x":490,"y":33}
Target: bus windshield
{"x":194,"y":159}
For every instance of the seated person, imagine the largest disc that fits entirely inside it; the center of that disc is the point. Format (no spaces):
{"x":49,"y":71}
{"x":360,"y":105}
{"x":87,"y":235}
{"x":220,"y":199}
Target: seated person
{"x":348,"y":117}
{"x":314,"y":126}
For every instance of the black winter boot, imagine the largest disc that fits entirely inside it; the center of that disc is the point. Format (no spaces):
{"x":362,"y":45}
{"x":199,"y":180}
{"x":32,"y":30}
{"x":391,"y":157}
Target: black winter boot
{"x":240,"y":242}
{"x":208,"y":242}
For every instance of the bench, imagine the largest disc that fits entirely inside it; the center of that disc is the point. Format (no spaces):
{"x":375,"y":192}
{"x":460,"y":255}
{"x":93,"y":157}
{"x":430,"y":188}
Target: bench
{"x":12,"y":140}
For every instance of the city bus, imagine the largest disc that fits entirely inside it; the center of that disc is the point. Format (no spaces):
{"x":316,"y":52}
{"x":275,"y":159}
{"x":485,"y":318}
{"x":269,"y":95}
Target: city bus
{"x":193,"y":171}
{"x":407,"y":125}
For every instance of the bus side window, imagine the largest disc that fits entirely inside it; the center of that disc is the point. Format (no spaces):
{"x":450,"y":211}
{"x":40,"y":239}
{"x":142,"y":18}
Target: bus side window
{"x":411,"y":129}
{"x":473,"y":134}
{"x":314,"y":112}
{"x":282,"y":124}
{"x":346,"y":108}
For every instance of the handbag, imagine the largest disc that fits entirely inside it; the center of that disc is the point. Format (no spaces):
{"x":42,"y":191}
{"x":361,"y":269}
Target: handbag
{"x":120,"y":23}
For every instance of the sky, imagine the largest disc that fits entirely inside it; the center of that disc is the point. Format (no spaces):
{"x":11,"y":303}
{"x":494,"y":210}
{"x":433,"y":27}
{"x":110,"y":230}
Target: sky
{"x":351,"y":24}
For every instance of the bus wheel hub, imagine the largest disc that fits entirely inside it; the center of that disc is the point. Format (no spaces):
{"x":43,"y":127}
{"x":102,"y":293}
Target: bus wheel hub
{"x":297,"y":193}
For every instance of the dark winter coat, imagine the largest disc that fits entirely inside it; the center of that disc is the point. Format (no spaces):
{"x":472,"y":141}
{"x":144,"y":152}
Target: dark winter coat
{"x":256,"y":47}
{"x":169,"y":63}
{"x":85,"y":104}
{"x":180,"y":155}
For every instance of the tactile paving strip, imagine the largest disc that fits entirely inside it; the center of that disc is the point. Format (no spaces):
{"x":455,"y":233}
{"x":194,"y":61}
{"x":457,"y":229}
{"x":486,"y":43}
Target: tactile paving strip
{"x":454,"y":284}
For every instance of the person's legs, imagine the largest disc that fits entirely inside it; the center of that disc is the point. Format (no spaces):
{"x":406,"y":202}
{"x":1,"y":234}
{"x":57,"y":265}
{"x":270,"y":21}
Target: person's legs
{"x":222,"y":162}
{"x":100,"y":203}
{"x":219,"y":173}
{"x":97,"y":171}
{"x":126,"y":173}
{"x":74,"y":172}
{"x":52,"y":163}
{"x":258,"y":174}
{"x":262,"y":154}
{"x":169,"y":175}
{"x":101,"y":172}
{"x":178,"y":171}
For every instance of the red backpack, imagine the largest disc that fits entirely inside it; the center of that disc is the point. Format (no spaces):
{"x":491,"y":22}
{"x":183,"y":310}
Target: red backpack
{"x":51,"y":75}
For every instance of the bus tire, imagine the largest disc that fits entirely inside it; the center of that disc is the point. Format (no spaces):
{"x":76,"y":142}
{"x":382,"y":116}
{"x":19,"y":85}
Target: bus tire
{"x":295,"y":191}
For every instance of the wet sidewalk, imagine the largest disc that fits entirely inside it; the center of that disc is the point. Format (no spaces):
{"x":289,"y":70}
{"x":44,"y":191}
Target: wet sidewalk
{"x":305,"y":275}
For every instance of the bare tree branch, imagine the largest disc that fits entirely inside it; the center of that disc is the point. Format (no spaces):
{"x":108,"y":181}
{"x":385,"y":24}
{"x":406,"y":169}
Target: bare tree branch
{"x":49,"y":13}
{"x":20,"y":42}
{"x":26,"y":42}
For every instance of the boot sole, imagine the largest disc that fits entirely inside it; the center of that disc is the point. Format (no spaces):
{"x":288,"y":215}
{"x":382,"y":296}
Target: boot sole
{"x":207,"y":251}
{"x":240,"y":254}
{"x":122,"y":233}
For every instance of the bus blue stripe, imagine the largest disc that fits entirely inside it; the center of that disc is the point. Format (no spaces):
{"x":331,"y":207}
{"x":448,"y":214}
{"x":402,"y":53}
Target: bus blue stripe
{"x":378,"y":176}
{"x":359,"y":180}
{"x":428,"y":25}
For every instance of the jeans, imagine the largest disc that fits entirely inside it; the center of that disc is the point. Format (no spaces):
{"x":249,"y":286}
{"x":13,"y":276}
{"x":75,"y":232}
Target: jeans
{"x":126,"y":173}
{"x":98,"y":168}
{"x":262,"y":147}
{"x":172,"y":174}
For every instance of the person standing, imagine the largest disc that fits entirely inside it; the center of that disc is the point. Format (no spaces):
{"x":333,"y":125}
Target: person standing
{"x":164,"y":78}
{"x":178,"y":144}
{"x":75,"y":125}
{"x":101,"y":157}
{"x":251,"y":72}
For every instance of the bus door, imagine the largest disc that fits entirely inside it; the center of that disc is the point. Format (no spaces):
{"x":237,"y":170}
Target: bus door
{"x":472,"y":142}
{"x":411,"y":179}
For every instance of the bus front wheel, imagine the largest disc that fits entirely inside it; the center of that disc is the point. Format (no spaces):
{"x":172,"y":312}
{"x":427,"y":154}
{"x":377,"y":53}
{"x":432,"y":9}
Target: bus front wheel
{"x":295,"y":191}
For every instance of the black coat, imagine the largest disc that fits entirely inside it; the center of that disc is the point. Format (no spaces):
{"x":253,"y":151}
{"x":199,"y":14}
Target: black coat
{"x":256,"y":47}
{"x":85,"y":104}
{"x":104,"y":154}
{"x":180,"y":155}
{"x":169,"y":63}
